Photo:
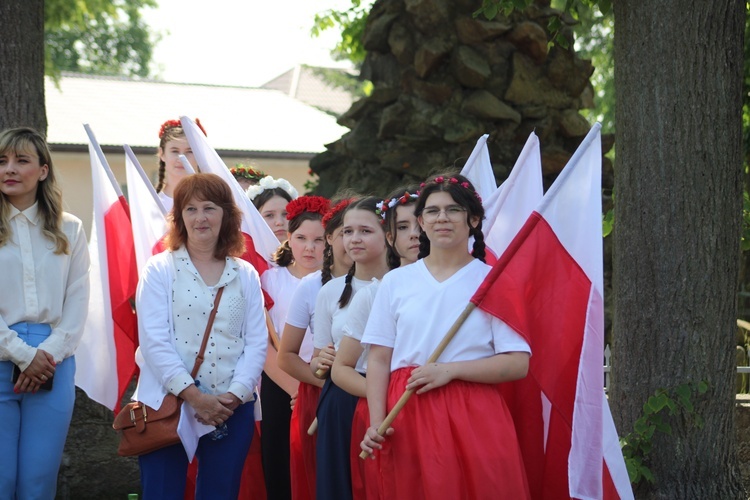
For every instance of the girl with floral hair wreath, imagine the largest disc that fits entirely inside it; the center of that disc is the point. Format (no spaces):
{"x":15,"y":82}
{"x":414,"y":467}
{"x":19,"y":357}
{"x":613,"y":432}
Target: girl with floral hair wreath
{"x":445,"y":446}
{"x":172,"y":143}
{"x":270,"y":197}
{"x":300,"y":255}
{"x":350,"y":364}
{"x":298,"y":329}
{"x":365,"y":242}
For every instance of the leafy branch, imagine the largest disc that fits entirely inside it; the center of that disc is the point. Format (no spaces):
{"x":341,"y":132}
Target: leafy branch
{"x":637,"y":445}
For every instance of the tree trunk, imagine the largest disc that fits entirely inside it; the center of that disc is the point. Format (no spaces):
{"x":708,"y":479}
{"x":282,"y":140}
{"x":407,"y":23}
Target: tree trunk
{"x":22,"y":59}
{"x":678,"y":179}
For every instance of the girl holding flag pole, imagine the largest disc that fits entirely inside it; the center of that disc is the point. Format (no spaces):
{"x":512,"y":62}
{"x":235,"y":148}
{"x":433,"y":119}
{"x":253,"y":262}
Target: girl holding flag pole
{"x":349,"y":366}
{"x":300,"y":255}
{"x":364,"y":240}
{"x":299,"y":329}
{"x":455,"y":438}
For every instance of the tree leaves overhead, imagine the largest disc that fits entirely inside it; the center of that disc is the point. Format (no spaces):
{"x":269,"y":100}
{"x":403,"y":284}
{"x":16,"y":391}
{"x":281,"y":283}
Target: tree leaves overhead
{"x":102,"y":37}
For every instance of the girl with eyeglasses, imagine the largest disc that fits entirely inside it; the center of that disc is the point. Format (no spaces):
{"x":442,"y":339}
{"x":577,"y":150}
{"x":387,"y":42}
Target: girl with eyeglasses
{"x":455,"y":437}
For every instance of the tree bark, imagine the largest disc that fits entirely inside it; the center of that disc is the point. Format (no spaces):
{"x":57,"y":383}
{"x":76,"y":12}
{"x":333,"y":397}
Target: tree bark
{"x":22,"y":59}
{"x":678,"y":179}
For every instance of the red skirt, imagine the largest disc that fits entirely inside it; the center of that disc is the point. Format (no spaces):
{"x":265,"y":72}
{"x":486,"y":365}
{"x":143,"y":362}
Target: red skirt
{"x":456,"y":441}
{"x":301,"y":444}
{"x":366,"y":477}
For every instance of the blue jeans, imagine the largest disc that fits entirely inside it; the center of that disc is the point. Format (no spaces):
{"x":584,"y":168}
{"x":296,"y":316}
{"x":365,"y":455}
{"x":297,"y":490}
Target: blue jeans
{"x":220,"y":463}
{"x":33,"y":426}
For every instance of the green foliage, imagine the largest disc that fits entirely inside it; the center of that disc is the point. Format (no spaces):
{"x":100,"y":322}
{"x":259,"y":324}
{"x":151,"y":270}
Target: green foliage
{"x":351,"y":21}
{"x":102,"y":37}
{"x":637,"y":445}
{"x":745,"y":220}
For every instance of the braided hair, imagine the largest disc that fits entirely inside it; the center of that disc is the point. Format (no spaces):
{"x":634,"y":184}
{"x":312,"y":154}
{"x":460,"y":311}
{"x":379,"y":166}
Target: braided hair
{"x":463,"y":193}
{"x":333,"y":220}
{"x":369,"y":204}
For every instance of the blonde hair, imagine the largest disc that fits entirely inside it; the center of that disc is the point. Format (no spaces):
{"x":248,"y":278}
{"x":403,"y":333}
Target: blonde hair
{"x":48,"y":192}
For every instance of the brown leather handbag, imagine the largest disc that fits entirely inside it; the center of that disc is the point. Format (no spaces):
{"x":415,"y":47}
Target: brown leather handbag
{"x":143,"y":429}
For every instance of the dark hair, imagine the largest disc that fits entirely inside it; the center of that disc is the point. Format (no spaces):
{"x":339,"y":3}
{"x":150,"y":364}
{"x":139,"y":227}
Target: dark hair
{"x":331,"y":222}
{"x":463,"y":193}
{"x":267,"y":194}
{"x":48,"y":192}
{"x":394,"y":258}
{"x":369,"y":204}
{"x":207,"y":187}
{"x":170,"y":133}
{"x":283,"y":255}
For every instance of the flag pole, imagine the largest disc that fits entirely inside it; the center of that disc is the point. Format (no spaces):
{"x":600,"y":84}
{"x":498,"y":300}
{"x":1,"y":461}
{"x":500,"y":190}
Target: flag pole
{"x":144,"y":177}
{"x":103,"y":160}
{"x":186,"y":163}
{"x":433,"y":358}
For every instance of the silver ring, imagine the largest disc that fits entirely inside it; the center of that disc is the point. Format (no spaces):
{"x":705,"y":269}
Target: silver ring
{"x":44,"y":377}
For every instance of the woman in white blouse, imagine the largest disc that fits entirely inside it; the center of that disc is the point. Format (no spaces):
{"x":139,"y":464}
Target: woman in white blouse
{"x":174,"y":299}
{"x":43,"y":304}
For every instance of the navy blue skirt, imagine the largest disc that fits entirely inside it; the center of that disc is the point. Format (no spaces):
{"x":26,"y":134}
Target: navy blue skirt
{"x":335,"y":414}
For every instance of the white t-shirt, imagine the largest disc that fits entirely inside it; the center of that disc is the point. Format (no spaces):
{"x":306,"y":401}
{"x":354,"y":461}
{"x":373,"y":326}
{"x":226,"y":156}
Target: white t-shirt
{"x":412,"y":312}
{"x":40,"y":286}
{"x":166,"y":200}
{"x":356,"y":320}
{"x":329,"y":317}
{"x":281,"y":285}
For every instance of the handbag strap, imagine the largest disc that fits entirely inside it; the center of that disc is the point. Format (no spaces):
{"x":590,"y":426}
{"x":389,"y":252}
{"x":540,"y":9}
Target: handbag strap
{"x":199,"y":357}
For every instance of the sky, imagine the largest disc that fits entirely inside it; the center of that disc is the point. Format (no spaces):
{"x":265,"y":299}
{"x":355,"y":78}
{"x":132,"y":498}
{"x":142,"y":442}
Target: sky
{"x":237,"y":42}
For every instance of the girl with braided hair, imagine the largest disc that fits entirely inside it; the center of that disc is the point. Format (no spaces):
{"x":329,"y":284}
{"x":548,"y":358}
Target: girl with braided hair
{"x":298,"y":256}
{"x":294,"y":359}
{"x":350,"y":364}
{"x":364,"y":240}
{"x":455,"y":437}
{"x":172,"y":144}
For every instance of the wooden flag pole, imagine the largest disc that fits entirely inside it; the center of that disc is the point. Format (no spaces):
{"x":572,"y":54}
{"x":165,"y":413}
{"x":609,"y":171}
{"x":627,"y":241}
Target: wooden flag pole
{"x":433,"y":358}
{"x":272,"y":335}
{"x":313,"y":427}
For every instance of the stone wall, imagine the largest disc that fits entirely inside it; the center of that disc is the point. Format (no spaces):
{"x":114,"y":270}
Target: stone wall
{"x":441,"y":79}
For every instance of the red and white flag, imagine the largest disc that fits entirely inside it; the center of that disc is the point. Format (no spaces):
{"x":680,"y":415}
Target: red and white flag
{"x":260,"y":241}
{"x":106,"y":354}
{"x":548,"y":286}
{"x":147,"y":213}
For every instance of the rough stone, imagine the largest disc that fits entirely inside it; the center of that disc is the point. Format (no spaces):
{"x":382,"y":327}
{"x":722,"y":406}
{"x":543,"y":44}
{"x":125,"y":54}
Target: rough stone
{"x":470,"y":68}
{"x":376,"y":33}
{"x":486,"y":106}
{"x":430,"y":55}
{"x":529,"y":86}
{"x":471,"y":31}
{"x":391,"y":121}
{"x":461,"y":129}
{"x":554,"y":160}
{"x":567,"y":72}
{"x":429,"y":16}
{"x":531,"y":39}
{"x":436,"y":93}
{"x":401,"y":43}
{"x":573,"y":124}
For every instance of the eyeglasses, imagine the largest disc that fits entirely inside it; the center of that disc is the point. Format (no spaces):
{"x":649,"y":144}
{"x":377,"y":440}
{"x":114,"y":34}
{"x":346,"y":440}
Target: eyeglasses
{"x":453,"y":213}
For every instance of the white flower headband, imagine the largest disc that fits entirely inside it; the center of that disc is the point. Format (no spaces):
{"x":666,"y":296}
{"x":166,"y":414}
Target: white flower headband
{"x":383,"y":207}
{"x":269,"y":182}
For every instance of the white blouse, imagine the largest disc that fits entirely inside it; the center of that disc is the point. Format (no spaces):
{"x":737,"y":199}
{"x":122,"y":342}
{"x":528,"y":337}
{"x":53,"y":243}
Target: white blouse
{"x":282,"y":286}
{"x":329,"y":317}
{"x":173,"y":306}
{"x":40,"y":286}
